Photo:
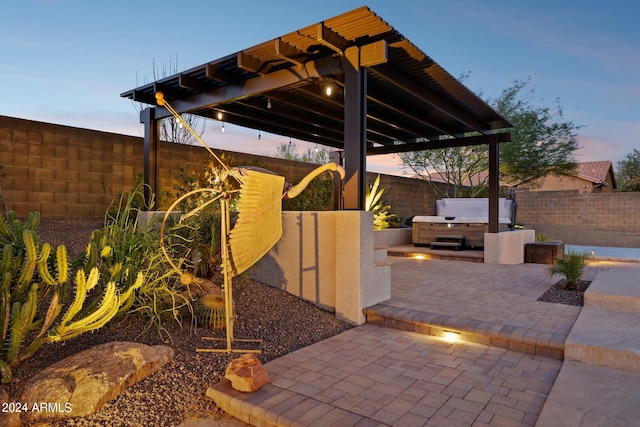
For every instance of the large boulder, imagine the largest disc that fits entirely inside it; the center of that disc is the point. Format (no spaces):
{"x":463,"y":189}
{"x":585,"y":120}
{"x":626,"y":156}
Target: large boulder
{"x":81,"y":384}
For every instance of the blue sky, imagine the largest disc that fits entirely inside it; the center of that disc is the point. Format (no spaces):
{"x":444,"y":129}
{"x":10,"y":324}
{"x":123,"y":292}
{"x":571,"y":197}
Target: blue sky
{"x":67,"y":61}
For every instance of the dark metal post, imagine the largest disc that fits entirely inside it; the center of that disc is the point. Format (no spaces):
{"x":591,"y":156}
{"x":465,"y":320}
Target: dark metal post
{"x":336,"y":157}
{"x":355,"y":130}
{"x":494,"y":184}
{"x":151,"y":142}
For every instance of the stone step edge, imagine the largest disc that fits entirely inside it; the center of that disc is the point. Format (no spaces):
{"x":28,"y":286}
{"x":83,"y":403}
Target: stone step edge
{"x":274,"y":406}
{"x":591,"y":395}
{"x":592,"y":340}
{"x":510,"y":337}
{"x":617,"y":290}
{"x":451,"y":255}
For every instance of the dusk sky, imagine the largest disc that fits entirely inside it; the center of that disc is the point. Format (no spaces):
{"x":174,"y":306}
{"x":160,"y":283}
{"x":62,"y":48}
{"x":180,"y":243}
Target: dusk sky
{"x":68,"y":61}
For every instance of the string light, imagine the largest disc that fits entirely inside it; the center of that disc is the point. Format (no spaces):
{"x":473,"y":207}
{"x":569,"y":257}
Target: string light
{"x":328,"y":90}
{"x":393,"y":159}
{"x":269,"y":102}
{"x":222,"y":128}
{"x":259,"y":136}
{"x":316,"y":148}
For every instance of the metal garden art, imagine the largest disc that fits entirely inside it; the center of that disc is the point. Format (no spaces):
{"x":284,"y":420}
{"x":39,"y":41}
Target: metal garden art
{"x":258,"y":195}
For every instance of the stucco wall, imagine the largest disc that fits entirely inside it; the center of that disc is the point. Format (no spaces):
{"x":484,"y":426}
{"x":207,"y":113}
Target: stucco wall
{"x":326,"y":258}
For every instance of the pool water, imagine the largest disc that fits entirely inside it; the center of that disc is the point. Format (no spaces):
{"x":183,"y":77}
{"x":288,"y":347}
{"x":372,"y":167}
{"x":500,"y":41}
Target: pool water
{"x":606,"y":252}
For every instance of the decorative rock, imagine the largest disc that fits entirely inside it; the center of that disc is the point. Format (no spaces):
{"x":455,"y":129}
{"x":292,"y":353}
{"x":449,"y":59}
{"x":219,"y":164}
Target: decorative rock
{"x":81,"y":384}
{"x":246,"y":373}
{"x":206,"y":287}
{"x":8,"y":417}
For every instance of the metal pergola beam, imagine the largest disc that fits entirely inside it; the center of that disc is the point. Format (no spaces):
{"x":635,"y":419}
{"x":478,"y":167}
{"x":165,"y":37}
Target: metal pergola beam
{"x":441,"y":143}
{"x":253,"y":87}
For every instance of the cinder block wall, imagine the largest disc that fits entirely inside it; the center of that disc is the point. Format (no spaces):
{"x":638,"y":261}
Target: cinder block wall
{"x":67,"y":171}
{"x":64,"y":171}
{"x":599,"y":219}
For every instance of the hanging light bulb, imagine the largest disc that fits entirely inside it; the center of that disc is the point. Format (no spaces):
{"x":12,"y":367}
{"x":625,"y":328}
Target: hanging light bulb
{"x":259,"y":136}
{"x":219,"y":115}
{"x":179,"y":123}
{"x":269,"y":102}
{"x":222,"y":128}
{"x":393,"y":159}
{"x":328,"y":90}
{"x":316,"y":148}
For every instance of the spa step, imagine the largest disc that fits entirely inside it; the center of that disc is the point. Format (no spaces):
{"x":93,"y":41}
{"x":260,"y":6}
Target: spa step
{"x":448,"y":242}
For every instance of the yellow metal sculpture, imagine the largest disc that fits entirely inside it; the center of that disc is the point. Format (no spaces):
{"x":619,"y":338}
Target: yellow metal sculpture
{"x":257,"y":229}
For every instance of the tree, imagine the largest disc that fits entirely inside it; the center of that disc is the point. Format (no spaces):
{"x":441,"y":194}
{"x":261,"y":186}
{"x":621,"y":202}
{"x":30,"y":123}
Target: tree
{"x":542,"y":143}
{"x":289,"y":151}
{"x":170,"y":129}
{"x":628,"y":172}
{"x":451,"y":172}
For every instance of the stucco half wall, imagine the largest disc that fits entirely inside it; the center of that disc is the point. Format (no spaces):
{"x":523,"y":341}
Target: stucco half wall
{"x":327,"y":258}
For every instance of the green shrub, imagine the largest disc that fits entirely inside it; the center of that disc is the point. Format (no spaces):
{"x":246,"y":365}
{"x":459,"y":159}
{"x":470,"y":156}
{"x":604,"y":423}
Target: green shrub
{"x":571,"y":265}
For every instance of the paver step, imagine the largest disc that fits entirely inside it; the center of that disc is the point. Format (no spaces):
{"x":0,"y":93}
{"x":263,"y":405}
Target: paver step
{"x":615,"y":289}
{"x":380,"y":254}
{"x":597,"y":338}
{"x":585,"y":395}
{"x":449,"y":237}
{"x":470,"y":330}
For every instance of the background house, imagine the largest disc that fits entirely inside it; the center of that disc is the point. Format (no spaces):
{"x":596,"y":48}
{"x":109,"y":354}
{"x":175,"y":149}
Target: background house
{"x":588,"y":177}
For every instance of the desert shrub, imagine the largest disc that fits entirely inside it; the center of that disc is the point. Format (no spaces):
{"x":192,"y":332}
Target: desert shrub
{"x":543,"y":237}
{"x":124,"y":248}
{"x":571,"y":265}
{"x":316,"y":197}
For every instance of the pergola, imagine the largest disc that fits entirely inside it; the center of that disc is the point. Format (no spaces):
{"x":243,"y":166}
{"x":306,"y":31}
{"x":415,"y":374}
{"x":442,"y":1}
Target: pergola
{"x":351,"y":82}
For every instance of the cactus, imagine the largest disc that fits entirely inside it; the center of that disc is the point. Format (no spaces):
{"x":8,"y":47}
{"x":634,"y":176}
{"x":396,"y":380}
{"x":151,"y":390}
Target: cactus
{"x":33,"y":275}
{"x":210,"y":311}
{"x":22,"y":316}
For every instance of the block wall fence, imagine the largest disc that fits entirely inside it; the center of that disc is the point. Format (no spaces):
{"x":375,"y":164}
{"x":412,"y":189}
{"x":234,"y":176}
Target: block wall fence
{"x":68,"y":171}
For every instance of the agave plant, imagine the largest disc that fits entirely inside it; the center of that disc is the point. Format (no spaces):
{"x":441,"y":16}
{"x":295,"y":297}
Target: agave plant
{"x":374,"y":202}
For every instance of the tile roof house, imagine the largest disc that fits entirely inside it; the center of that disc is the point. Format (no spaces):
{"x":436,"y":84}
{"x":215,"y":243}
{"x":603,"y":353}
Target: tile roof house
{"x":588,"y":177}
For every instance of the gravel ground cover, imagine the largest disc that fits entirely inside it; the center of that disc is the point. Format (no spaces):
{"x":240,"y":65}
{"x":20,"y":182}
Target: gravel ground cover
{"x":176,"y":393}
{"x":559,"y":295}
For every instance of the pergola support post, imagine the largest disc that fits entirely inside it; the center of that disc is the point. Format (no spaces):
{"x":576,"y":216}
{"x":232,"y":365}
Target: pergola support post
{"x":494,"y":184}
{"x":355,"y":130}
{"x":151,"y":143}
